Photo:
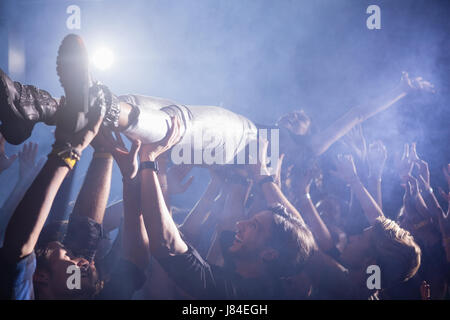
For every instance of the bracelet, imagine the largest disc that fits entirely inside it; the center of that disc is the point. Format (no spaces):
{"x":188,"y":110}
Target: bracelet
{"x":306,"y":195}
{"x":153,"y":165}
{"x":102,"y":155}
{"x":266,"y":179}
{"x":66,"y":153}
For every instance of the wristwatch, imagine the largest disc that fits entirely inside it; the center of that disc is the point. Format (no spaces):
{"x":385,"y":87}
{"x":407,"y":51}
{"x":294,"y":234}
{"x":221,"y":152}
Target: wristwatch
{"x":153,"y":165}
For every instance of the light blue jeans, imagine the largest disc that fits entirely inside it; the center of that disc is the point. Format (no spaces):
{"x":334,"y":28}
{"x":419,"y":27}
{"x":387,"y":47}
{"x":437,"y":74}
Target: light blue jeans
{"x":204,"y":129}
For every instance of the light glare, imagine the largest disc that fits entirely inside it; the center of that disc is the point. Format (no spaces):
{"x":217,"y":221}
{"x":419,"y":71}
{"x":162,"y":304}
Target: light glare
{"x":103,"y":58}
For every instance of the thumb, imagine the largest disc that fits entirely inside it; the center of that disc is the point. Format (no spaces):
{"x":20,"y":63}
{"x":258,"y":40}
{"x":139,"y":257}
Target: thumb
{"x":135,"y":147}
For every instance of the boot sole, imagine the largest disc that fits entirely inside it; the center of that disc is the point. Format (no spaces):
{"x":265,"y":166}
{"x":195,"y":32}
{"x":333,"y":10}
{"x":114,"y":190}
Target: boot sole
{"x":72,"y":66}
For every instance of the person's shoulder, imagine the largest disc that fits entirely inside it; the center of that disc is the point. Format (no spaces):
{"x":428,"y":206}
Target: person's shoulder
{"x":16,"y":276}
{"x":8,"y":262}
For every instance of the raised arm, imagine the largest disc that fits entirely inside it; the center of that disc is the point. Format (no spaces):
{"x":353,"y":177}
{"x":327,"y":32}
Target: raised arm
{"x":236,"y":189}
{"x":271,"y":190}
{"x":135,"y":241}
{"x":312,"y":217}
{"x":346,"y":171}
{"x":29,"y":217}
{"x":93,"y":197}
{"x":171,"y":178}
{"x":324,"y":139}
{"x":376,"y":158}
{"x":165,"y":239}
{"x":444,"y":221}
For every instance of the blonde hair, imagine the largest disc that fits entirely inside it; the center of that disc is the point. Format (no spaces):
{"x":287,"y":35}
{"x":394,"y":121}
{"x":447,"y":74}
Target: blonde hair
{"x":397,"y":254}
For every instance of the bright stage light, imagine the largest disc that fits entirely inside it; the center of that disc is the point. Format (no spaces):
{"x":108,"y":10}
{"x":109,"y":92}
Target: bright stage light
{"x":103,"y":58}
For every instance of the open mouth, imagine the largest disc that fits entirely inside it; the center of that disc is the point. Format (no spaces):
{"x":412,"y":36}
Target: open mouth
{"x":237,"y":239}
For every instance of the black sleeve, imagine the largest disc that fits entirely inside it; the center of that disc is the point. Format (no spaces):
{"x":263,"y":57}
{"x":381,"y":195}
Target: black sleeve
{"x":126,"y":278}
{"x":196,"y":276}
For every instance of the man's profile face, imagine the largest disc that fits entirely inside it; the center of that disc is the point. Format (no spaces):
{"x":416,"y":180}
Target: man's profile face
{"x":60,"y":260}
{"x":252,"y":235}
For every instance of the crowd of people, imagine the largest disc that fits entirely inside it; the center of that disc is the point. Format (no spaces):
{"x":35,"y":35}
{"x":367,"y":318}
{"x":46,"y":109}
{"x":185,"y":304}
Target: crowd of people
{"x":295,"y":234}
{"x":313,"y":225}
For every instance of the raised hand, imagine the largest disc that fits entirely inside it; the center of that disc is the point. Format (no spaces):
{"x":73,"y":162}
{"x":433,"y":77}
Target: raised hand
{"x":81,"y":140}
{"x":405,"y":164}
{"x":446,"y":195}
{"x":355,"y":140}
{"x":305,"y":178}
{"x":376,"y":158}
{"x":5,"y":161}
{"x":415,"y":84}
{"x":415,"y":206}
{"x":345,"y":168}
{"x":127,"y":160}
{"x":446,"y":171}
{"x":277,"y":176}
{"x":27,"y":160}
{"x":260,"y":168}
{"x":421,"y":165}
{"x":151,"y":151}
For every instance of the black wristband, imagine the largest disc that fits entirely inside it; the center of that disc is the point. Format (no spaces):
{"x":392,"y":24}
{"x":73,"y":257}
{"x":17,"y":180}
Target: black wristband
{"x":265,"y":180}
{"x":153,"y":165}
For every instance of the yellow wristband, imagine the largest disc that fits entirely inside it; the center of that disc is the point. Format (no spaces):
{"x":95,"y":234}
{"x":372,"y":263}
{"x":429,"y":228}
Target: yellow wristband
{"x":66,"y":153}
{"x":69,"y":161}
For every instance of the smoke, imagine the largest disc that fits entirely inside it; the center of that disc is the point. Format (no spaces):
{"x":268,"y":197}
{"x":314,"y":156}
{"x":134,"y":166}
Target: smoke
{"x":260,"y":58}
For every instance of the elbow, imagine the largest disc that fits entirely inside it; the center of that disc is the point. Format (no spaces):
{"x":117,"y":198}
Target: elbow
{"x":168,"y":246}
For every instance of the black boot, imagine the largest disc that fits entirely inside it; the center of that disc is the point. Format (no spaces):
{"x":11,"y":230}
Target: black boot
{"x":72,"y":66}
{"x":81,"y":93}
{"x":21,"y":107}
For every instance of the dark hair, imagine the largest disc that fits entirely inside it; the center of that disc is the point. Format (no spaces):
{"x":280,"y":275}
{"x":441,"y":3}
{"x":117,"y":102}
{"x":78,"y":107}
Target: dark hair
{"x":397,"y":254}
{"x":292,"y":239}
